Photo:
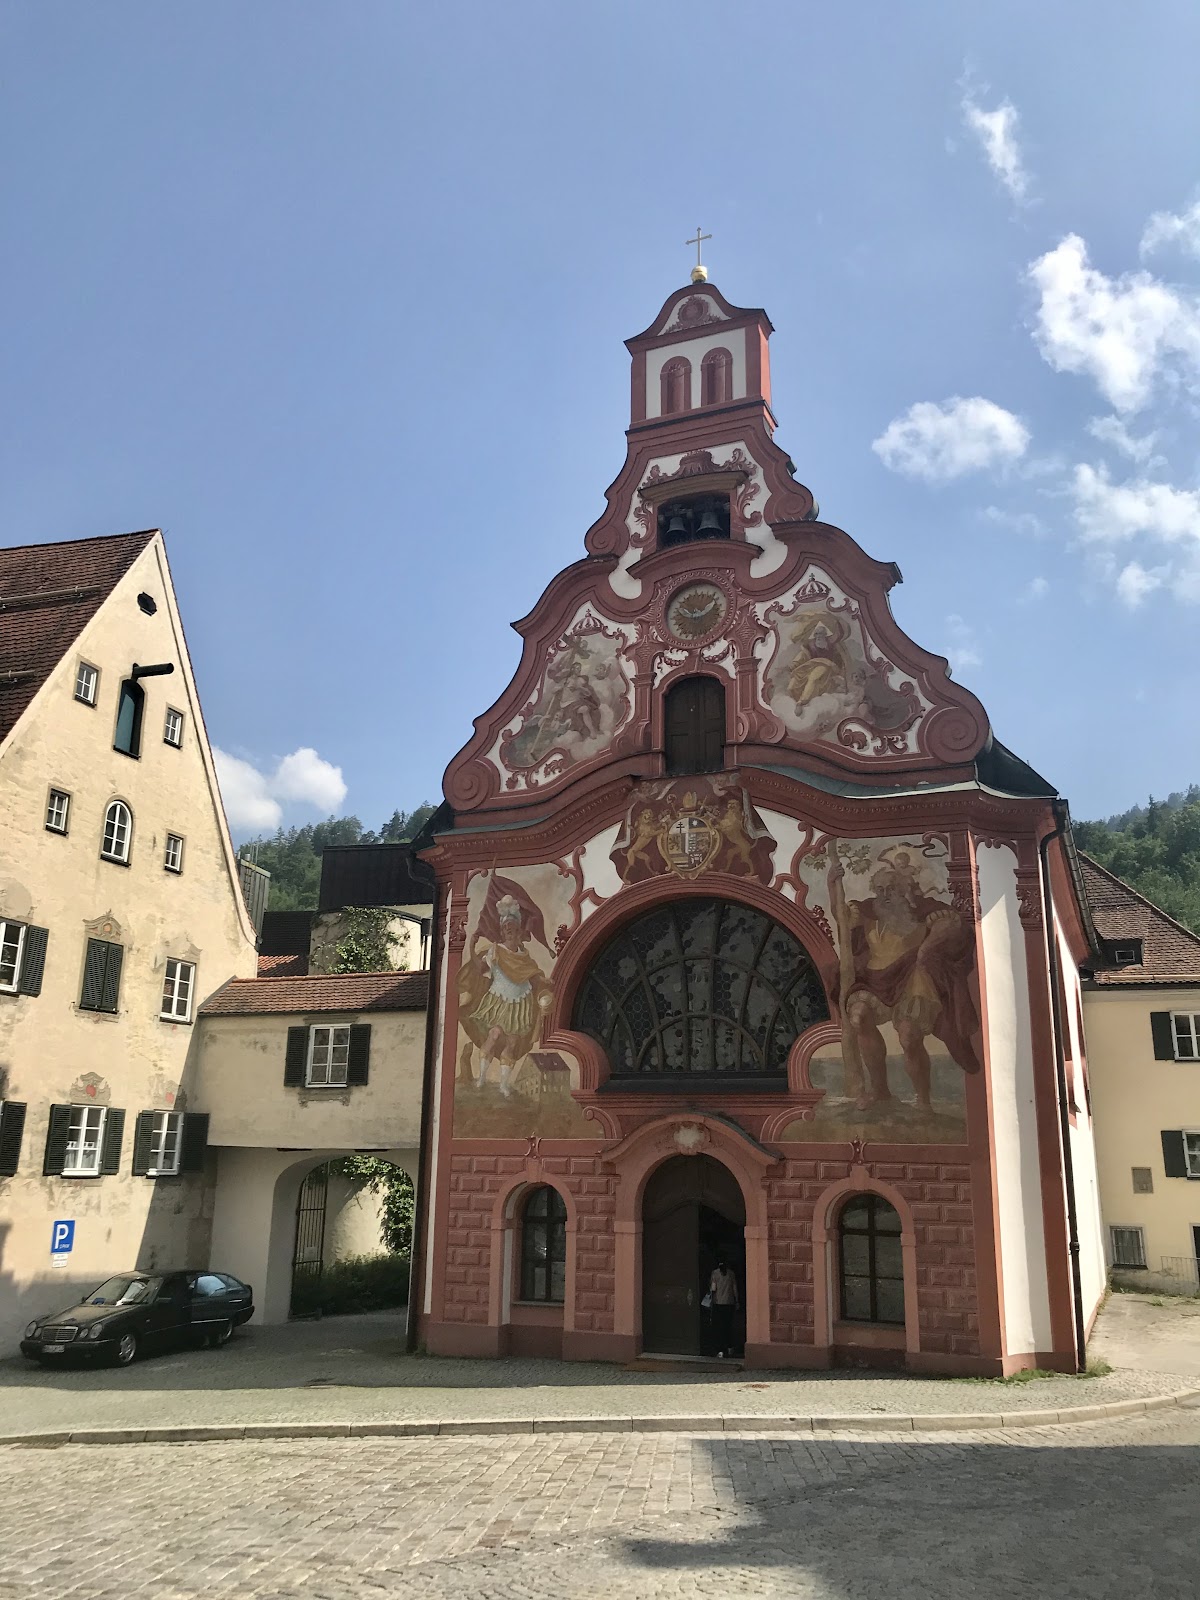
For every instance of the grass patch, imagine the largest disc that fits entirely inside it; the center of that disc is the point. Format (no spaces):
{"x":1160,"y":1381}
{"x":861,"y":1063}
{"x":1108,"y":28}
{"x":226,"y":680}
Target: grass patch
{"x":1096,"y":1368}
{"x":359,"y":1283}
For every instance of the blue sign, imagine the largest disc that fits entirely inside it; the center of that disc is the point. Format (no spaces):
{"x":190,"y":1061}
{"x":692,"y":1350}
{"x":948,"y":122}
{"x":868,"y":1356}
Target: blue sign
{"x":62,"y":1238}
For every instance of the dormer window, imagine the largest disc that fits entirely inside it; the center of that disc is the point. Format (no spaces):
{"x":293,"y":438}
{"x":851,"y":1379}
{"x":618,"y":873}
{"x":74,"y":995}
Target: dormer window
{"x":703,"y":516}
{"x":1122,"y":952}
{"x":676,"y":381}
{"x":716,"y":378}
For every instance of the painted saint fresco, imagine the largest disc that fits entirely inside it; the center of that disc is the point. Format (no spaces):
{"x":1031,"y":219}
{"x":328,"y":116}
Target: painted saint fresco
{"x":507,"y":1086}
{"x":906,"y":989}
{"x":581,"y":701}
{"x":692,"y":826}
{"x":824,"y":681}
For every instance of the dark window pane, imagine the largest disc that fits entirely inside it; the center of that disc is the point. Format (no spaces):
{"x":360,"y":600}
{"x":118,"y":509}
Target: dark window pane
{"x":890,"y":1301}
{"x":856,"y":1299}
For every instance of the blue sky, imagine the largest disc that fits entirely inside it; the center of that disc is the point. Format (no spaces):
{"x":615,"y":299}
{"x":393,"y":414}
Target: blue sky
{"x":335,"y":293}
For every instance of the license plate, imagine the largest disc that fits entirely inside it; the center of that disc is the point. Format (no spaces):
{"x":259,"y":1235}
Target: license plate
{"x":53,"y":1349}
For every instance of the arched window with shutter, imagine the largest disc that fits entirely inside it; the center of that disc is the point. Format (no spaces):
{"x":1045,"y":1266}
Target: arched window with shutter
{"x":716,"y":378}
{"x":118,"y":831}
{"x":694,"y":726}
{"x":676,"y":386}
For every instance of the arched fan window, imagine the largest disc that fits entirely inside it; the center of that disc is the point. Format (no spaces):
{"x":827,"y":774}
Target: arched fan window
{"x":703,"y":990}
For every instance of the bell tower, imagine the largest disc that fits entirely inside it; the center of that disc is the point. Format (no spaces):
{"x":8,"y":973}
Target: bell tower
{"x":700,"y":357}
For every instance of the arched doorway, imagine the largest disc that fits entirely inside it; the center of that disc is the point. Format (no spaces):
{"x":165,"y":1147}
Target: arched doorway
{"x":693,"y":1215}
{"x":352,"y":1237}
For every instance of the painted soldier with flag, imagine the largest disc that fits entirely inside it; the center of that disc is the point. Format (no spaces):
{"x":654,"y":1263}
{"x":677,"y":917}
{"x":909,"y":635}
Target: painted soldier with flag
{"x":502,"y":991}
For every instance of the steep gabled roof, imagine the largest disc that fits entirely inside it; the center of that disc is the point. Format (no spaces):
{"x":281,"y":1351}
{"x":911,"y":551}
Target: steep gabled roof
{"x":342,"y":991}
{"x":48,"y":595}
{"x":1170,"y":952}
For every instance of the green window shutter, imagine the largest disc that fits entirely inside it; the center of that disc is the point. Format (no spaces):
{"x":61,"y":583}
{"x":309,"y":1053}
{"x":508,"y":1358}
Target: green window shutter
{"x":296,"y":1060}
{"x":1174,"y":1153}
{"x":33,"y":961}
{"x":12,"y":1126}
{"x":143,"y":1136}
{"x":94,"y":967}
{"x":358,"y":1061}
{"x":1164,"y":1039}
{"x":193,"y":1141}
{"x":110,"y":1150}
{"x":56,"y":1141}
{"x":112,"y":978}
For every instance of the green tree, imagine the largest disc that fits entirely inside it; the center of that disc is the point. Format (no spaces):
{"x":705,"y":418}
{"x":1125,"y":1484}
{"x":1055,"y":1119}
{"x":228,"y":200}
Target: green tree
{"x":1156,"y":849}
{"x":368,"y":944}
{"x":395,"y":1186}
{"x":293,"y":856}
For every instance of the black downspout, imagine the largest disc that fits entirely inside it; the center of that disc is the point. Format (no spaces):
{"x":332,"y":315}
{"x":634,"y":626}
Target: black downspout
{"x":1064,"y":1109}
{"x":421,"y":1206}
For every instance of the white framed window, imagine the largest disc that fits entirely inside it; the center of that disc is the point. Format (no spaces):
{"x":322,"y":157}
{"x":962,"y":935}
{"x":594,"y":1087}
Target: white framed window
{"x":328,"y":1056}
{"x":177,"y":991}
{"x":165,"y":1135}
{"x":1191,"y":1153}
{"x":173,"y":854}
{"x":173,"y":727}
{"x":84,"y":1141}
{"x":118,"y":826}
{"x":87,"y":678}
{"x":58,"y":808}
{"x":1185,"y":1028}
{"x":1127,"y":1246}
{"x":12,"y":942}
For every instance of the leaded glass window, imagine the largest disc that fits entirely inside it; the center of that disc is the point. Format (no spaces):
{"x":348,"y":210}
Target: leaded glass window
{"x":871,"y":1259}
{"x":700,"y":989}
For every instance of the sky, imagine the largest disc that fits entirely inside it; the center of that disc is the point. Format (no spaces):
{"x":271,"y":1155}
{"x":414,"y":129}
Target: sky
{"x":334,"y":293}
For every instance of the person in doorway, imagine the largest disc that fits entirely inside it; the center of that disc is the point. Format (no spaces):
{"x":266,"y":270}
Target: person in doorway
{"x":723,"y":1290}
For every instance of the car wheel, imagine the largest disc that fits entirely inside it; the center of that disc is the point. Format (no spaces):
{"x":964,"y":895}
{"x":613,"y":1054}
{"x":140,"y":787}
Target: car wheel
{"x":220,"y":1335}
{"x":126,"y":1349}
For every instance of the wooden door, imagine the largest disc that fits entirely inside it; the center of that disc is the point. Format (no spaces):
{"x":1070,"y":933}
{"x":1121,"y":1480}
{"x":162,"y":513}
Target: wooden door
{"x":670,"y":1292}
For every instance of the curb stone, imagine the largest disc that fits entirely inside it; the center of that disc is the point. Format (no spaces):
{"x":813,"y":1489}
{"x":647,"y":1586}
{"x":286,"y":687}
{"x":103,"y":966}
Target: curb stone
{"x":872,"y":1422}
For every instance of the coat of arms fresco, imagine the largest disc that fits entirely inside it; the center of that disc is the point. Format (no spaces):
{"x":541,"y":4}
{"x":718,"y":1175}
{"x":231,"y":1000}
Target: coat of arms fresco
{"x":689,"y":827}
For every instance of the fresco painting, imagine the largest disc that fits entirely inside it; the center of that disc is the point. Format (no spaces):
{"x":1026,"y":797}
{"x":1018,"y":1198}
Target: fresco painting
{"x":824,"y":681}
{"x":689,"y":826}
{"x":906,"y":988}
{"x":506,"y":1086}
{"x":582,"y":700}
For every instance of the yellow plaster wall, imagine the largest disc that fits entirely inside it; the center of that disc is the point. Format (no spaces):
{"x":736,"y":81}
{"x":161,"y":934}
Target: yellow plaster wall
{"x":46,"y":1042}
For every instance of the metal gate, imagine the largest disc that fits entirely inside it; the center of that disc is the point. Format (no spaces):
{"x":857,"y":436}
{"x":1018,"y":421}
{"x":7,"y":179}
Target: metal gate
{"x":310,"y":1237}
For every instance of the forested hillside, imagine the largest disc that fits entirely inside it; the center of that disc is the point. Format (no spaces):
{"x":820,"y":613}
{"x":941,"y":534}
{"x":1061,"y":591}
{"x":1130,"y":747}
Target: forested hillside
{"x":293,"y":857}
{"x":1156,"y":848}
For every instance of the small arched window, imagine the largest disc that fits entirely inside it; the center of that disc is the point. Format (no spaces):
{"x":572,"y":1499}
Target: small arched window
{"x":871,"y":1261}
{"x":694,"y":726}
{"x":716,"y":378}
{"x":544,"y":1246}
{"x":676,"y":382}
{"x":118,"y":831}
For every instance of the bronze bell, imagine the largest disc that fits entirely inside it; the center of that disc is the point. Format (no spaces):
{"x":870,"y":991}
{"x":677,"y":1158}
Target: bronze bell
{"x":710,"y":525}
{"x":677,"y":527}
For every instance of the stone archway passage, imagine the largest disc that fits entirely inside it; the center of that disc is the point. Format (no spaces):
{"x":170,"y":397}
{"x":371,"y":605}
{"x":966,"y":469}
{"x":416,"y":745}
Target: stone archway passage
{"x":693,"y":1215}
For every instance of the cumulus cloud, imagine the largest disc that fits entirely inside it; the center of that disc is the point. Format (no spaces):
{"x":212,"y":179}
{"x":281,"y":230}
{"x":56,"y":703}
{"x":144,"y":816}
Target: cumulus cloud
{"x":254,"y":800}
{"x":940,"y":442}
{"x":963,"y":650}
{"x":1173,"y":227}
{"x":1134,"y":583}
{"x":1022,"y":522}
{"x":1036,"y":589}
{"x":1110,"y":515}
{"x":1124,"y":332}
{"x":997,"y":133}
{"x":1138,"y":447}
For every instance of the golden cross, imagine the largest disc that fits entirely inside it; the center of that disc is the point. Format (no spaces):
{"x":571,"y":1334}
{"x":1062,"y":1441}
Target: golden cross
{"x":697,"y":241}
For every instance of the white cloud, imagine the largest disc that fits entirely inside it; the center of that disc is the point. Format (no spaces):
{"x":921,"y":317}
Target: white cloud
{"x":1022,"y":522}
{"x":1037,"y":589}
{"x":1112,"y":514}
{"x":1122,"y":332}
{"x":940,"y":442}
{"x":1134,"y":583}
{"x":1139,"y":448}
{"x":997,"y":133}
{"x":253,"y":798}
{"x":963,"y":650}
{"x":1173,"y":227}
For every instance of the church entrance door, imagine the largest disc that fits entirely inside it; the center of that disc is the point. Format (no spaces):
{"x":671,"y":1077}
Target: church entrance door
{"x":693,"y":1215}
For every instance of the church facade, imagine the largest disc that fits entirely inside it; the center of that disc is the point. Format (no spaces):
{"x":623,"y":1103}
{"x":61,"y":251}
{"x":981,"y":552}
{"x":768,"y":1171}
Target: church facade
{"x":754,"y":947}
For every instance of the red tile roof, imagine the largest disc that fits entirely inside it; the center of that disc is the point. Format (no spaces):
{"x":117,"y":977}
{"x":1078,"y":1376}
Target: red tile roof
{"x":1170,"y":952}
{"x":342,"y":991}
{"x":292,"y":966}
{"x":48,"y":594}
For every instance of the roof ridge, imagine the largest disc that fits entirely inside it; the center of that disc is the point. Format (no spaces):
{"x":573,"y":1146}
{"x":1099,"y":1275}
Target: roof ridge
{"x":1138,"y":895}
{"x":313,"y":977}
{"x":91,"y":538}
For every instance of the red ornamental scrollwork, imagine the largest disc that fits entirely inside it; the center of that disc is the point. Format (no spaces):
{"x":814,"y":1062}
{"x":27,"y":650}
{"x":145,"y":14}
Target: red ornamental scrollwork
{"x":964,"y":894}
{"x":458,"y":928}
{"x":1029,"y":905}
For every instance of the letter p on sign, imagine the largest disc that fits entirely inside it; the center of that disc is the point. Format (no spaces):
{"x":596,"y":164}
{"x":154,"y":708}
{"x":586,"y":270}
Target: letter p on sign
{"x":62,"y":1238}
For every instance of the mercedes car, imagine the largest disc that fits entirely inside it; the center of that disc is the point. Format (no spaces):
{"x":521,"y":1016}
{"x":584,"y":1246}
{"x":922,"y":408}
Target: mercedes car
{"x":142,"y":1311}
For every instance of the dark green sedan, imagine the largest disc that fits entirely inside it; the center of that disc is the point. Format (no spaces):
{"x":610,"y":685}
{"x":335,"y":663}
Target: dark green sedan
{"x":137,"y":1311}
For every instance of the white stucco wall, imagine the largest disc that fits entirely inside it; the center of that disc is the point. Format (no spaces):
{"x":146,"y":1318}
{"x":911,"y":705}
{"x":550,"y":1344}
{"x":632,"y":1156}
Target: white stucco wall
{"x":1014,"y":1112}
{"x":1092,"y":1265}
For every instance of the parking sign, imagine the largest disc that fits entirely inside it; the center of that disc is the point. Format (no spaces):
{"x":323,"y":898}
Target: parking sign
{"x":62,"y":1241}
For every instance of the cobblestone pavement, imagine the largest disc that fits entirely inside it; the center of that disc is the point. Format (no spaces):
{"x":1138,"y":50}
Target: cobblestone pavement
{"x":1099,"y":1510}
{"x":354,"y":1370}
